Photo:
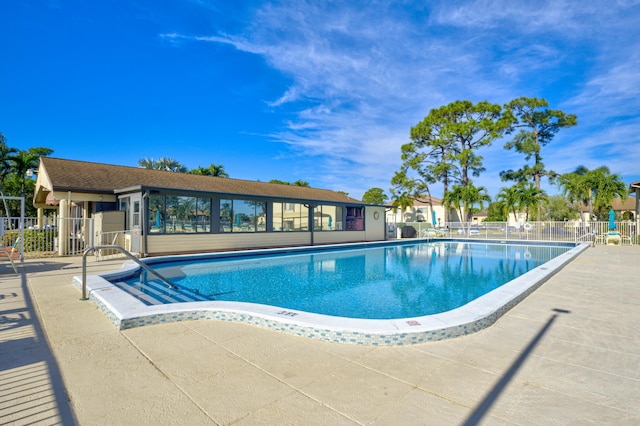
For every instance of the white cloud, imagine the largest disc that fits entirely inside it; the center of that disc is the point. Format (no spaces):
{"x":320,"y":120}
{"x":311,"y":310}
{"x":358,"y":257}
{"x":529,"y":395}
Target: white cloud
{"x":363,"y":74}
{"x":613,"y":91}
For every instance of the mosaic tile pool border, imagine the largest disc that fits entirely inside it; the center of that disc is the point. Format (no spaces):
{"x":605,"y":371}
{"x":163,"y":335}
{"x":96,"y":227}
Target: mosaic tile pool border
{"x":125,"y":312}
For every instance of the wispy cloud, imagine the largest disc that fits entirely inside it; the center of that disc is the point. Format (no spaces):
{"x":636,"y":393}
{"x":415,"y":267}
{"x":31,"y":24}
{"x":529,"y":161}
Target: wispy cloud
{"x":363,"y":73}
{"x":613,"y":91}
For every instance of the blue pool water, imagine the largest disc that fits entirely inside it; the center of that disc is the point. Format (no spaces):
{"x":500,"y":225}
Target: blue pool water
{"x":382,"y":282}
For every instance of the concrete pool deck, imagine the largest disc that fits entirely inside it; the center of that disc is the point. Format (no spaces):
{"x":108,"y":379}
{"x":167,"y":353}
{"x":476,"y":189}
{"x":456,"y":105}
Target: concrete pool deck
{"x":568,"y":353}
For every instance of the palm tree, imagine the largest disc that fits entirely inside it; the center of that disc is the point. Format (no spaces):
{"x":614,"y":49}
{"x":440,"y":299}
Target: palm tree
{"x":216,"y":170}
{"x":576,"y":188}
{"x":166,"y":164}
{"x":23,"y":161}
{"x":296,"y":183}
{"x":529,"y":197}
{"x":467,"y":199}
{"x":5,"y":167}
{"x":147,"y":163}
{"x":475,"y":199}
{"x":510,"y":197}
{"x":170,"y":165}
{"x":596,"y":188}
{"x":607,"y":187}
{"x":5,"y":155}
{"x":407,"y":190}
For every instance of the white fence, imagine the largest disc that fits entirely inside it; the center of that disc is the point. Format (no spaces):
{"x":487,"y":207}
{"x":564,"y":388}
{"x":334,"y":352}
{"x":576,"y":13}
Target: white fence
{"x":62,"y":237}
{"x":534,"y":231}
{"x":52,"y":237}
{"x":70,"y":237}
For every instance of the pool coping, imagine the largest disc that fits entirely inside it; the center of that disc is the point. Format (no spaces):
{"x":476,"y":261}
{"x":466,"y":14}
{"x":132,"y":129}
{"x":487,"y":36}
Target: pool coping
{"x":125,"y":311}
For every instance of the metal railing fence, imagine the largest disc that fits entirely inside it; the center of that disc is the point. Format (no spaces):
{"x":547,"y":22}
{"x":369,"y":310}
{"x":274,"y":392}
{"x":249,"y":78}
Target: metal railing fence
{"x":70,"y":236}
{"x":52,"y":237}
{"x":534,"y":231}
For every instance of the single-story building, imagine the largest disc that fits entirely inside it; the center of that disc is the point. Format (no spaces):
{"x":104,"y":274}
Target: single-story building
{"x":185,"y":213}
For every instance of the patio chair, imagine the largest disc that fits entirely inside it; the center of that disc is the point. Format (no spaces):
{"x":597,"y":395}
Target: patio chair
{"x":428,"y":233}
{"x":613,"y":238}
{"x":9,"y":255}
{"x":432,"y":233}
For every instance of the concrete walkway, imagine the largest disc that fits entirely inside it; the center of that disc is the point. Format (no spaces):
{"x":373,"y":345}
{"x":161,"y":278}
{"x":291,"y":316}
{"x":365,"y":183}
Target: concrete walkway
{"x":568,"y":354}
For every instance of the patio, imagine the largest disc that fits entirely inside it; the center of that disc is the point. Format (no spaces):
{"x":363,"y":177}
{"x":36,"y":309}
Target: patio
{"x":566,"y":354}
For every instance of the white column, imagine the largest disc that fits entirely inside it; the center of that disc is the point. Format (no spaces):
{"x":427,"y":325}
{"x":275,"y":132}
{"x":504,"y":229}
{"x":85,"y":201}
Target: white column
{"x":40,"y":216}
{"x":63,"y":228}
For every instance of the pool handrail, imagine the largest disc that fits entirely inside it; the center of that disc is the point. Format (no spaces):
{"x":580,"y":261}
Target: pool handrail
{"x":126,"y":253}
{"x":589,"y":236}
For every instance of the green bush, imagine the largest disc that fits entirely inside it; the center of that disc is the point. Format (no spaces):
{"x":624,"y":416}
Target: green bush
{"x":34,"y":239}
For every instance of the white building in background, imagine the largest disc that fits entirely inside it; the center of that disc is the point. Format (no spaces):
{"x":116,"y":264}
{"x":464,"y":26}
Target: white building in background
{"x":432,"y":213}
{"x":421,"y":211}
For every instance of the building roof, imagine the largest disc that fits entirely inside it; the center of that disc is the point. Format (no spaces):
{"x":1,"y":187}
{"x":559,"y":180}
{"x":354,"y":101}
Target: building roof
{"x":95,"y":178}
{"x":616,"y":205}
{"x":422,"y":202}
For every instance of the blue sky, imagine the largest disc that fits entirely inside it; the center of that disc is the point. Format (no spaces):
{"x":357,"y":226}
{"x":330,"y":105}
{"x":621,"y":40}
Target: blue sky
{"x":325,"y":92}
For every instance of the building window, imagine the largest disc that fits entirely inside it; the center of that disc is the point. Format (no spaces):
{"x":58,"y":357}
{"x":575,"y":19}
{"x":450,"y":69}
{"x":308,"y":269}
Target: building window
{"x":180,"y":214}
{"x":202,"y":215}
{"x":243,"y":216}
{"x":174,"y":214}
{"x":156,"y":214}
{"x":355,"y":219}
{"x":225,"y":215}
{"x":136,"y":213}
{"x":290,"y":217}
{"x":124,"y":206}
{"x":327,"y":218}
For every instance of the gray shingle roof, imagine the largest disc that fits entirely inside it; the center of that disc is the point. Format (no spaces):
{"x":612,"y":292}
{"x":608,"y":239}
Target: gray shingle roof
{"x":88,"y":177}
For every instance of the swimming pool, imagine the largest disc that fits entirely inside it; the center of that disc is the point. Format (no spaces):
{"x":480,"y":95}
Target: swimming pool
{"x":374,"y":293}
{"x":384,"y":282}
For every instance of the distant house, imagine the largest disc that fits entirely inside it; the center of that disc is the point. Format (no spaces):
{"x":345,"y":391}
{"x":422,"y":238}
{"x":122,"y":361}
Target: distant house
{"x":428,"y":210}
{"x":420,"y":211}
{"x":185,"y":213}
{"x":629,"y":206}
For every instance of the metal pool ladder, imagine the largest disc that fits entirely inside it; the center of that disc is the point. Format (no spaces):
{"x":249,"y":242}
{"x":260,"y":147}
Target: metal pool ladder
{"x":126,"y":253}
